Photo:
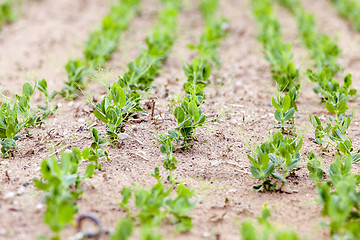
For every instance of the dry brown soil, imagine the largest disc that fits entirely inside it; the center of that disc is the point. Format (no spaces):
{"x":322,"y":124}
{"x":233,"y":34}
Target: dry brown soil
{"x":49,"y":32}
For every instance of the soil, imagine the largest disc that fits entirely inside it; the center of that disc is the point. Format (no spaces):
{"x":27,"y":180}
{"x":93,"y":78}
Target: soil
{"x":48,"y":33}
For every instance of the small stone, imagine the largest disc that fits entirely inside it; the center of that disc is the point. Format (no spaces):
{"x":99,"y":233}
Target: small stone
{"x":59,"y":105}
{"x":70,"y":103}
{"x":232,"y":190}
{"x":25,"y":184}
{"x":9,"y":195}
{"x":233,"y":121}
{"x":123,"y":136}
{"x":215,"y":163}
{"x":287,"y":189}
{"x":3,"y":232}
{"x":4,"y":162}
{"x":37,"y":169}
{"x":20,"y":191}
{"x":81,"y":120}
{"x":206,"y":235}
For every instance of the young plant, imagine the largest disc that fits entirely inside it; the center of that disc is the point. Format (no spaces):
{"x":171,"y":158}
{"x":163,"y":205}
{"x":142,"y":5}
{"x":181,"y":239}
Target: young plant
{"x":340,"y":197}
{"x":155,"y":206}
{"x":62,"y":182}
{"x":46,"y":110}
{"x":265,"y":230}
{"x":189,"y":117}
{"x":167,"y":147}
{"x":334,"y":134}
{"x":314,"y":167}
{"x":283,"y":110}
{"x":274,"y":159}
{"x":334,"y":95}
{"x":114,"y":110}
{"x":94,"y":152}
{"x":7,"y":12}
{"x":197,"y":74}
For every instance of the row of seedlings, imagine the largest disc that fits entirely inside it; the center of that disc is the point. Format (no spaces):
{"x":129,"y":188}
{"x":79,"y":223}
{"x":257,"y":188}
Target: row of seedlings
{"x":325,"y":52}
{"x":339,"y":193}
{"x":99,"y":47}
{"x":61,"y":178}
{"x":17,"y":115}
{"x":275,"y":159}
{"x":160,"y":203}
{"x":349,"y":10}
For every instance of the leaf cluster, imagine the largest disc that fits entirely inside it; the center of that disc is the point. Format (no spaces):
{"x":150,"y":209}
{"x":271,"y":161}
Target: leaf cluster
{"x":7,"y":12}
{"x":274,"y":159}
{"x":334,"y":134}
{"x":115,"y":109}
{"x":62,"y":182}
{"x":17,"y":114}
{"x":340,"y":197}
{"x":189,"y":117}
{"x":334,"y":95}
{"x":264,"y":230}
{"x":94,"y":152}
{"x":154,"y":206}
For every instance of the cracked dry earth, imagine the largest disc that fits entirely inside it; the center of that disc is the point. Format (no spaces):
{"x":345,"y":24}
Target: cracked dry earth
{"x":49,"y":32}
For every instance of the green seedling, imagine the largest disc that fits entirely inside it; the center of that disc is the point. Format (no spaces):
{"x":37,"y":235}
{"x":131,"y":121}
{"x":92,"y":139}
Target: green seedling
{"x":264,"y":229}
{"x":94,"y":152}
{"x":197,"y":74}
{"x":42,"y":87}
{"x":189,"y":117}
{"x":62,"y":182}
{"x":167,"y":147}
{"x":154,"y":206}
{"x":340,"y":198}
{"x":334,"y":95}
{"x":114,"y":110}
{"x":274,"y":160}
{"x":76,"y":72}
{"x":284,"y":112}
{"x":7,"y":12}
{"x":334,"y":134}
{"x":314,"y":167}
{"x":16,"y":116}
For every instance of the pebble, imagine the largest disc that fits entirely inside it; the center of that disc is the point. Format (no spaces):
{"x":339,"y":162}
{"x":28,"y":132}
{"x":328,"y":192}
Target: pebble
{"x":4,"y":162}
{"x":3,"y":231}
{"x":287,"y":189}
{"x":233,"y":121}
{"x":20,"y":191}
{"x":81,"y":120}
{"x":206,"y":235}
{"x":123,"y":136}
{"x":215,"y":163}
{"x":10,"y":195}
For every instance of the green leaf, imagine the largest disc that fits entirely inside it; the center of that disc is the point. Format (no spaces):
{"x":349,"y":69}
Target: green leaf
{"x":289,"y":114}
{"x":89,"y":172}
{"x":123,"y":230}
{"x":179,"y":114}
{"x":99,"y":115}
